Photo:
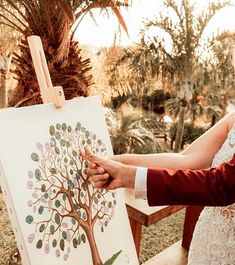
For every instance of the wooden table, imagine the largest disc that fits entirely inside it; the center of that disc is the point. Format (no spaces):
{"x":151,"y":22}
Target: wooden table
{"x":140,"y":213}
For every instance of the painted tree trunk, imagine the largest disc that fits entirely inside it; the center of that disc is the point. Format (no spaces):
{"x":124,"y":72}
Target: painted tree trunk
{"x":180,"y":128}
{"x":94,"y":250}
{"x":3,"y":88}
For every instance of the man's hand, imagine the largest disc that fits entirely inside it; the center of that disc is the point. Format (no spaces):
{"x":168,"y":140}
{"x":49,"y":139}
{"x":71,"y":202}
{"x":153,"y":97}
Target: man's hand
{"x":109,"y":174}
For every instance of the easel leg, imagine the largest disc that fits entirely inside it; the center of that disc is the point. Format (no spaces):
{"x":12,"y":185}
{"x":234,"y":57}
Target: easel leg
{"x":136,"y":232}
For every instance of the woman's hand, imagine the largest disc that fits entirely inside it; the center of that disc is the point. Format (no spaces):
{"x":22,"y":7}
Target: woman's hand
{"x":109,"y":174}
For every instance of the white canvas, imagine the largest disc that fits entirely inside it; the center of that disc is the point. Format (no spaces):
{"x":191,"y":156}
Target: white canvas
{"x":58,"y":216}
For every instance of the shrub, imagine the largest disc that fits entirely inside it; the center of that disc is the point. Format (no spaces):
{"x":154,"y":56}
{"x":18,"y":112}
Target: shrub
{"x":190,"y":133}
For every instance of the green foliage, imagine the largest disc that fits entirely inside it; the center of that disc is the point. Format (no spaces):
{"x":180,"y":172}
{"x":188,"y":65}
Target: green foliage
{"x":129,"y":133}
{"x":190,"y":133}
{"x":113,"y":258}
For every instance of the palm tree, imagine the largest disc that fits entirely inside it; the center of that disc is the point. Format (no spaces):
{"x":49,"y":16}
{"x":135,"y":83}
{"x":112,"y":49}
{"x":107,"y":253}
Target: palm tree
{"x":55,"y":22}
{"x":128,"y":133}
{"x":181,"y":63}
{"x":134,"y":71}
{"x":8,"y":44}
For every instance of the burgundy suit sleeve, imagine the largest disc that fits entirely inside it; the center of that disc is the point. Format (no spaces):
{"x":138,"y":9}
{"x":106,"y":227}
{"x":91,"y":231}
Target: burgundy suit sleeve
{"x":209,"y":187}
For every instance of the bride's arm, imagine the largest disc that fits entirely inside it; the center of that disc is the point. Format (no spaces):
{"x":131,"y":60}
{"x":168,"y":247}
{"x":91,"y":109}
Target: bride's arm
{"x":196,"y":156}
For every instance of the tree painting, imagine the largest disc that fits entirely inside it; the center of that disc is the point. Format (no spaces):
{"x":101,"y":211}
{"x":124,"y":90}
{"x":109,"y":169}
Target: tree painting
{"x":65,"y":206}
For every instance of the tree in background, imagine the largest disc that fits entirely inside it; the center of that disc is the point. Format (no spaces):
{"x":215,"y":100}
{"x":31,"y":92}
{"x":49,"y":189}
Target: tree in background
{"x":179,"y":67}
{"x":55,"y":22}
{"x":184,"y":26}
{"x":133,"y":71}
{"x":129,"y":133}
{"x":8,"y":44}
{"x":221,"y":82}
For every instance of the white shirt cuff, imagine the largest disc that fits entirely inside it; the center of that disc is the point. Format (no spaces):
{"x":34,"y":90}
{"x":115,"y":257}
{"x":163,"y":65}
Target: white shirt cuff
{"x":141,"y":183}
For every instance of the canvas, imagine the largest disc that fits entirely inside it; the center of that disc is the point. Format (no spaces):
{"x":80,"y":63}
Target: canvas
{"x":58,"y":216}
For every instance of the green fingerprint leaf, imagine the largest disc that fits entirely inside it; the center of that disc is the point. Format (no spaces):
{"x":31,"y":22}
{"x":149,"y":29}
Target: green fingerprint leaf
{"x":62,"y":244}
{"x":62,"y":142}
{"x":37,"y":174}
{"x":29,"y":219}
{"x":57,"y":150}
{"x":52,"y":130}
{"x":83,"y":238}
{"x":64,"y":235}
{"x":40,"y":209}
{"x":74,"y":153}
{"x":57,"y":203}
{"x":75,"y":243}
{"x":78,"y":126}
{"x":70,"y":183}
{"x":53,"y":170}
{"x":46,"y":195}
{"x":57,"y":218}
{"x":58,"y":126}
{"x":84,"y":216}
{"x":76,"y":207}
{"x":57,"y":135}
{"x":64,"y":126}
{"x":39,"y":244}
{"x":41,"y":228}
{"x":43,"y":188}
{"x":54,"y":243}
{"x":35,"y":157}
{"x":52,"y":229}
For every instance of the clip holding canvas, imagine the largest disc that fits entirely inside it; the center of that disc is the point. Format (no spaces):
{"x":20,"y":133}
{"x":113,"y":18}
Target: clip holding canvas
{"x":49,"y":93}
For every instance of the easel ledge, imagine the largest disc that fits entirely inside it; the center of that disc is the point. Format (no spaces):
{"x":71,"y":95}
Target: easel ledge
{"x":49,"y":93}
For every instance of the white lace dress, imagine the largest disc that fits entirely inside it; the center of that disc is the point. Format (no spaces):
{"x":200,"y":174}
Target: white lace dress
{"x":213,"y":240}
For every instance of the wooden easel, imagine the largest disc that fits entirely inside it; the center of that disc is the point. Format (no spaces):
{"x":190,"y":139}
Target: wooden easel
{"x":49,"y":93}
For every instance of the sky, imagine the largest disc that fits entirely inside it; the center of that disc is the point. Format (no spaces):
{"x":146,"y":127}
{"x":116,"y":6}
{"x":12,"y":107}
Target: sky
{"x":102,"y":33}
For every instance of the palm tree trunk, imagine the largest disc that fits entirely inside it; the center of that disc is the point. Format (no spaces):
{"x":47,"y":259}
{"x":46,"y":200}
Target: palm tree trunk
{"x":180,"y":128}
{"x":3,"y":88}
{"x":193,"y":117}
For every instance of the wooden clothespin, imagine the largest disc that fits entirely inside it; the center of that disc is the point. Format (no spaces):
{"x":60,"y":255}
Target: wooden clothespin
{"x":49,"y":93}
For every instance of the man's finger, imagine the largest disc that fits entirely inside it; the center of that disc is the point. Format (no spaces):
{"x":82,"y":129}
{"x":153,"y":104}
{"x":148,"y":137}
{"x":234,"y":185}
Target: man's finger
{"x":100,"y":184}
{"x":92,"y":165}
{"x":93,"y":158}
{"x":100,"y":177}
{"x":95,"y":171}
